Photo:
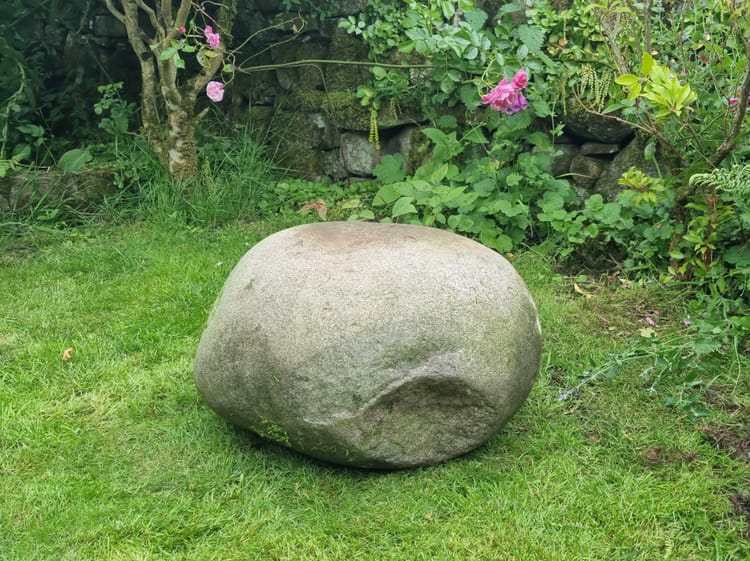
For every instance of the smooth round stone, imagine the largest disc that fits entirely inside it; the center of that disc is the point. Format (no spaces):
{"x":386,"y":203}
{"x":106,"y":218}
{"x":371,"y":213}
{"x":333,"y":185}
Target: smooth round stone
{"x":370,"y":345}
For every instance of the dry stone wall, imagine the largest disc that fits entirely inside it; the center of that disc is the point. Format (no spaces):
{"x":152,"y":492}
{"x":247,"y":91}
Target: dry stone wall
{"x":311,"y":112}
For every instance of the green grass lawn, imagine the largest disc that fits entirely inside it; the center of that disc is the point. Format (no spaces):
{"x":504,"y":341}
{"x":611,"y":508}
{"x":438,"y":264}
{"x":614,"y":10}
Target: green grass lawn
{"x":110,"y":455}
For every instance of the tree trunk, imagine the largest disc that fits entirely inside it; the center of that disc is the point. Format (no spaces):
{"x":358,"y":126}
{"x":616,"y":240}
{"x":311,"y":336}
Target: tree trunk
{"x":182,"y":154}
{"x":165,"y":98}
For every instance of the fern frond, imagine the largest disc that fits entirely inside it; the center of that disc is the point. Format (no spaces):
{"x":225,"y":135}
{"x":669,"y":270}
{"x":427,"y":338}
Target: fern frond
{"x":735,"y":180}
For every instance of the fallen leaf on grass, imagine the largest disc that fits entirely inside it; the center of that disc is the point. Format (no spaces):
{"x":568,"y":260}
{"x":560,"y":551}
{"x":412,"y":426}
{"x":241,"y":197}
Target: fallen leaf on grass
{"x":581,"y":291}
{"x":67,"y":354}
{"x":318,"y":206}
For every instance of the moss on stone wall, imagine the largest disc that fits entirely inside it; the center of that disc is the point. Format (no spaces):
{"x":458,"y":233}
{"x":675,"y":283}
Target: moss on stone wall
{"x":342,"y":107}
{"x":346,"y":47}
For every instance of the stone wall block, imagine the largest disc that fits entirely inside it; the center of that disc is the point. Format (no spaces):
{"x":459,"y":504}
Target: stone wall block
{"x":599,"y":149}
{"x":308,"y":77}
{"x":105,"y":25}
{"x":607,"y":183}
{"x":561,"y":162}
{"x":359,"y":156}
{"x":594,"y":127}
{"x":585,"y":170}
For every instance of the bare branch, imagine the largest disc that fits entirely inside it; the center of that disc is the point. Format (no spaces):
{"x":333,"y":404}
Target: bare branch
{"x":115,"y":12}
{"x":727,"y":146}
{"x":153,"y":18}
{"x":165,"y":11}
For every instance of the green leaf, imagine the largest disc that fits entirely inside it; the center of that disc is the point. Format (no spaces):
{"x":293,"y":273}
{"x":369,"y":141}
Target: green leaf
{"x":390,"y":169}
{"x":518,"y":121}
{"x":74,"y":160}
{"x":627,"y":80}
{"x":484,"y":186}
{"x":511,"y":8}
{"x":738,"y":255}
{"x":460,"y":222}
{"x":469,"y":96}
{"x":500,"y":243}
{"x":532,"y":37}
{"x":403,"y":206}
{"x":447,"y":85}
{"x":635,"y":91}
{"x":513,"y":180}
{"x":21,"y":152}
{"x":167,"y":53}
{"x":406,"y":47}
{"x":447,"y":122}
{"x":439,"y":173}
{"x":34,"y":131}
{"x":476,"y":18}
{"x":379,"y":72}
{"x":476,"y":136}
{"x":410,"y":188}
{"x":6,"y":166}
{"x":448,"y":8}
{"x":386,"y":195}
{"x":647,"y":63}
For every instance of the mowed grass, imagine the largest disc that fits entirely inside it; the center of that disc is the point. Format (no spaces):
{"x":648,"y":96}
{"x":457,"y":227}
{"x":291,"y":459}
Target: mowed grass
{"x":111,"y":455}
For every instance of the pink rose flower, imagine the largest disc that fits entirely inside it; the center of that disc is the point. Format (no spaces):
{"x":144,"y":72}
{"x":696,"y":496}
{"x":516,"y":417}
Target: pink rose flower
{"x":215,"y":91}
{"x":520,"y":80}
{"x":507,"y":96}
{"x":213,"y":39}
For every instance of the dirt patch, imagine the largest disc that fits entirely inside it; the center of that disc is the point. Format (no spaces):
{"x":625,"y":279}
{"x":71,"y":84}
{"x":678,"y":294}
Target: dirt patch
{"x":735,"y":441}
{"x":658,"y":455}
{"x":741,"y":504}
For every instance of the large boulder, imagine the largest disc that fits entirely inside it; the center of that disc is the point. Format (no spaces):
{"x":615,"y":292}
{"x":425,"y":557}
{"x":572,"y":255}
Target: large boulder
{"x":371,"y":345}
